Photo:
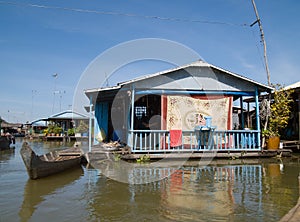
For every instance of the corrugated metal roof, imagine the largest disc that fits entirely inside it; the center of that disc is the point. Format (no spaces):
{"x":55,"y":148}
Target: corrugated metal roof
{"x":40,"y":122}
{"x":198,"y":63}
{"x":68,"y":114}
{"x":5,"y":124}
{"x":293,"y":86}
{"x":102,"y":89}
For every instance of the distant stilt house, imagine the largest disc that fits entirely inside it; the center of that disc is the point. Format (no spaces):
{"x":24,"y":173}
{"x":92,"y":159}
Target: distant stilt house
{"x":67,"y":119}
{"x":12,"y":128}
{"x":188,"y":108}
{"x":38,"y":126}
{"x":67,"y":124}
{"x":290,"y":135}
{"x":64,"y":125}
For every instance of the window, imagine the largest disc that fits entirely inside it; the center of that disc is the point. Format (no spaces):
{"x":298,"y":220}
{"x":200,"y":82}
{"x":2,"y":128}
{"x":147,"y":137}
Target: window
{"x":140,"y":111}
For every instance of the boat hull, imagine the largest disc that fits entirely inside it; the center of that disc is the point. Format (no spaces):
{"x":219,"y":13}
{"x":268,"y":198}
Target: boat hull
{"x":42,"y":166}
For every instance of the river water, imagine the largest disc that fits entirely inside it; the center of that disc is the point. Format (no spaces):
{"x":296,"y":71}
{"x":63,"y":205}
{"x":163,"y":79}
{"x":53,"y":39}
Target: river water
{"x":227,"y":190}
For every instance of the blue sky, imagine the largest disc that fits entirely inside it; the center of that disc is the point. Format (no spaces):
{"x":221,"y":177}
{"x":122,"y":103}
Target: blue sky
{"x":37,"y":42}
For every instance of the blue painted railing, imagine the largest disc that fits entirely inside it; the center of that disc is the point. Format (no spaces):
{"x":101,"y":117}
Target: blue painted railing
{"x":218,"y":140}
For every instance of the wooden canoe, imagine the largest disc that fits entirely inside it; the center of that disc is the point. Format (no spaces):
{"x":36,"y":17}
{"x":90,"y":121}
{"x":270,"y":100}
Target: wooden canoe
{"x":47,"y":164}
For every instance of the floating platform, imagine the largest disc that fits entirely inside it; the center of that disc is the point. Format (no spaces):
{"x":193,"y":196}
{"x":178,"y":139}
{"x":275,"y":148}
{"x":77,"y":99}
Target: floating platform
{"x":212,"y":154}
{"x":105,"y":151}
{"x":293,"y":145}
{"x":102,"y":151}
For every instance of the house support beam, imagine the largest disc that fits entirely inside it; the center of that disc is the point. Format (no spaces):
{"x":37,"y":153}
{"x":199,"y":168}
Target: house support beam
{"x":298,"y":116}
{"x":130,"y":138}
{"x":90,"y":123}
{"x":257,"y":116}
{"x":242,"y":113}
{"x":248,"y":115}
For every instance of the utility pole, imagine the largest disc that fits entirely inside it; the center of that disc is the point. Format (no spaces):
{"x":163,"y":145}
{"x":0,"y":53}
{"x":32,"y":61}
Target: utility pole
{"x":267,"y":104}
{"x":33,"y":92}
{"x":263,"y":41}
{"x":60,"y":97}
{"x":54,"y":91}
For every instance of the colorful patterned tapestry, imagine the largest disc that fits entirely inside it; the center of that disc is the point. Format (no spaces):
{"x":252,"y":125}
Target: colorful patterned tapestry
{"x":186,"y":112}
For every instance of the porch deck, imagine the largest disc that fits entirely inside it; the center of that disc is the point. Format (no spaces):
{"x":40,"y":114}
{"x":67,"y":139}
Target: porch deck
{"x":230,"y":144}
{"x":158,"y":141}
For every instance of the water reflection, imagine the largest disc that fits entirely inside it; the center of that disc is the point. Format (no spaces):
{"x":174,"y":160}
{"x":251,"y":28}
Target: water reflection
{"x":195,"y":194}
{"x":114,"y":201}
{"x":36,"y":190}
{"x":263,"y":190}
{"x":6,"y":155}
{"x":226,"y":190}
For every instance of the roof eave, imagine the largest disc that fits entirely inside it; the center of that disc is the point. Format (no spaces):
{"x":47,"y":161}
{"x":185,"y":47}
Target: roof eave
{"x":199,"y":63}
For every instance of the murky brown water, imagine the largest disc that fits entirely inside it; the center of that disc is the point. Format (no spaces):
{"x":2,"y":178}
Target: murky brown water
{"x":256,"y":190}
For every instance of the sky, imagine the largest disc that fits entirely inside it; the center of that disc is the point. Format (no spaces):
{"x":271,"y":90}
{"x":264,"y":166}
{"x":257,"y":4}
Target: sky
{"x":39,"y":39}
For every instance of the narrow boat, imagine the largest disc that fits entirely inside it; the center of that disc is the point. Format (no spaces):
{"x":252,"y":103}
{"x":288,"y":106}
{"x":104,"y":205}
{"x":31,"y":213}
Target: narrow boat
{"x":47,"y":164}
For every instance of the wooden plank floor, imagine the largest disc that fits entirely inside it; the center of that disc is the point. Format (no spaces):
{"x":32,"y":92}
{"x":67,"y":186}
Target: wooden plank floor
{"x":219,"y":154}
{"x":73,"y":151}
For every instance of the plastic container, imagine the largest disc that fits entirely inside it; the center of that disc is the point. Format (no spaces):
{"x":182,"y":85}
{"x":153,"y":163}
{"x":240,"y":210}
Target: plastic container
{"x":208,"y":121}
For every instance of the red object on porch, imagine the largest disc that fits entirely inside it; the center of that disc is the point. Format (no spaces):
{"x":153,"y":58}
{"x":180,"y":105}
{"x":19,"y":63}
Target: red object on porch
{"x":175,"y":138}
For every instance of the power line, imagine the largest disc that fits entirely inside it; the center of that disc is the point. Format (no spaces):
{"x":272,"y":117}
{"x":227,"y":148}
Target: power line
{"x":122,"y":14}
{"x":258,"y":49}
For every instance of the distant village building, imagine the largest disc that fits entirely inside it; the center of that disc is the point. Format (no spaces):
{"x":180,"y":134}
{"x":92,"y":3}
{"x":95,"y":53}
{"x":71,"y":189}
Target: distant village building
{"x":11,"y":128}
{"x":290,"y":135}
{"x":186,"y":108}
{"x":67,"y":119}
{"x":37,"y":126}
{"x":67,"y":124}
{"x":292,"y":130}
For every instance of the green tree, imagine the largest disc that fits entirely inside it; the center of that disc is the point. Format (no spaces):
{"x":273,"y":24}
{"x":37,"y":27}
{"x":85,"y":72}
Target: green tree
{"x":280,"y":110}
{"x":83,"y":127}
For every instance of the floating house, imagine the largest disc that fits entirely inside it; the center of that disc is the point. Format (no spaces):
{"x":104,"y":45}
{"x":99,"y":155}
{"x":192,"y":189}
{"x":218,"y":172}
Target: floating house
{"x":11,"y":128}
{"x":67,"y":119}
{"x":187,"y":108}
{"x":37,"y":127}
{"x":62,"y":121}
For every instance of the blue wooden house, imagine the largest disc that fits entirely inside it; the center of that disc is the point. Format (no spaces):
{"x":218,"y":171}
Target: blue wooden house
{"x":188,"y":108}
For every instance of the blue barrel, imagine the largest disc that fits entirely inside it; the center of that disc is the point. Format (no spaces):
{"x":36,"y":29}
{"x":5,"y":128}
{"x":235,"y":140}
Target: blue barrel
{"x":208,"y":121}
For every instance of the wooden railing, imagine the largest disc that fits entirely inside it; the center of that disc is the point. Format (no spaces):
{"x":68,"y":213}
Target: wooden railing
{"x":214,"y":140}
